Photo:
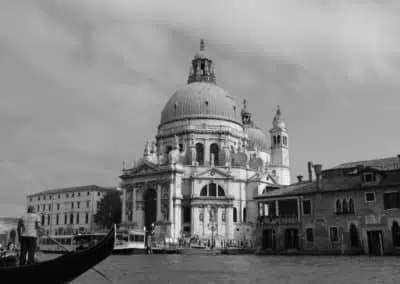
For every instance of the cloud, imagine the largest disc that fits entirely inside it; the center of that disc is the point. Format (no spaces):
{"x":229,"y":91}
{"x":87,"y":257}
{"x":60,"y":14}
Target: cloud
{"x":83,"y":83}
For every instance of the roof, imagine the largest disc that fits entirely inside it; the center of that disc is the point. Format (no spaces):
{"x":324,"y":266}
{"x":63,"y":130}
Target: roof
{"x":200,"y":100}
{"x":384,"y":164}
{"x":333,"y":183}
{"x":75,"y":189}
{"x":290,"y":190}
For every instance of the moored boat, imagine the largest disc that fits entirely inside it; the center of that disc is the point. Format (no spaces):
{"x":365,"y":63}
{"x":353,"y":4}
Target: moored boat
{"x":62,"y":269}
{"x":130,"y":242}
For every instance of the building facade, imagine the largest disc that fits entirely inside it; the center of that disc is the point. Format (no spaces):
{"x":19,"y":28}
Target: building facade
{"x":198,"y":179}
{"x":351,"y":208}
{"x":68,"y":210}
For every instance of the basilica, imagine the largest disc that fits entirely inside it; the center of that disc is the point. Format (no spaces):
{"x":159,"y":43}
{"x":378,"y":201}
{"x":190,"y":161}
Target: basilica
{"x":199,"y":178}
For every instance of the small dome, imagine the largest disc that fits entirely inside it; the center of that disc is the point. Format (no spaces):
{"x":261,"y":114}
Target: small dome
{"x":200,"y":100}
{"x":257,"y":139}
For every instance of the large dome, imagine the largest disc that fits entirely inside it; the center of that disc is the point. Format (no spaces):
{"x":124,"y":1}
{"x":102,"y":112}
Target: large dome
{"x":257,"y":139}
{"x":200,"y":100}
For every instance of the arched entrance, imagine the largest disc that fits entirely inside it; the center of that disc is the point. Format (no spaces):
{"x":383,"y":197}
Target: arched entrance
{"x":395,"y":234}
{"x":354,"y":239}
{"x":150,"y":208}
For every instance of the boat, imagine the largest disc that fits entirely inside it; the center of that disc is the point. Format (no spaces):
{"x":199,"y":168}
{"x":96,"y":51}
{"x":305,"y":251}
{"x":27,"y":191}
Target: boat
{"x":50,"y":244}
{"x":130,"y":242}
{"x":62,"y":269}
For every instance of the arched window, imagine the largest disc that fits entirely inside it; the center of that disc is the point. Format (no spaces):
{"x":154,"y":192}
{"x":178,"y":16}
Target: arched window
{"x":278,"y":141}
{"x":203,"y":191}
{"x":48,"y":219}
{"x":42,"y":220}
{"x":274,"y":140}
{"x":214,"y":150}
{"x":244,"y":214}
{"x":71,"y":218}
{"x":200,"y":153}
{"x":234,"y":214}
{"x":212,"y":189}
{"x":344,"y":206}
{"x":338,"y":206}
{"x":396,"y":234}
{"x":57,"y":219}
{"x":221,"y":191}
{"x":351,"y":205}
{"x":77,"y":218}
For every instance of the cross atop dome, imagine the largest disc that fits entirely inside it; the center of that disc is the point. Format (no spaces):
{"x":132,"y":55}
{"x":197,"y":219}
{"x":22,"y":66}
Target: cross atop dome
{"x":201,"y":69}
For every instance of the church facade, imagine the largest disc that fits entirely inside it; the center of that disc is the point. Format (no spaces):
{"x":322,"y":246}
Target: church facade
{"x":199,"y":178}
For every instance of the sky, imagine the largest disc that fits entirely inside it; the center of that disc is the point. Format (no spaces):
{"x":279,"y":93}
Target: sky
{"x":83,"y":82}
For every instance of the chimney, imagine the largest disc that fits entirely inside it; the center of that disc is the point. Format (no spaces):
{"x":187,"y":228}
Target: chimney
{"x":318,"y":172}
{"x":398,"y":156}
{"x":309,"y":171}
{"x":300,"y":178}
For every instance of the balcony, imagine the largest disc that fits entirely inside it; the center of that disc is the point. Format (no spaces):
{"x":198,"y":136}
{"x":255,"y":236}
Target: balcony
{"x":278,"y":220}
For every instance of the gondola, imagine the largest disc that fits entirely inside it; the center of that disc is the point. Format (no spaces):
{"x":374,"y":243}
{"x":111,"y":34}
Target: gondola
{"x":62,"y":269}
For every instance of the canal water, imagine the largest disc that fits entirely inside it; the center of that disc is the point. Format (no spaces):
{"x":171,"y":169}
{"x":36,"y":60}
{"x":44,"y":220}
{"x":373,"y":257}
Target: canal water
{"x":245,"y":269}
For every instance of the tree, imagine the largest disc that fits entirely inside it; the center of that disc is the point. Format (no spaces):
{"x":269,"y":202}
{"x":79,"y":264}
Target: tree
{"x":110,"y":210}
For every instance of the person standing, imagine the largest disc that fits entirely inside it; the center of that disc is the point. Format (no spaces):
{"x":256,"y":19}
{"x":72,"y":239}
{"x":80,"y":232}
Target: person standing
{"x":28,"y":231}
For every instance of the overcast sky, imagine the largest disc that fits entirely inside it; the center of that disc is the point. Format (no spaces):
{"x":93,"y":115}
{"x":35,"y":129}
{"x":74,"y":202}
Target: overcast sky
{"x":83,"y":82}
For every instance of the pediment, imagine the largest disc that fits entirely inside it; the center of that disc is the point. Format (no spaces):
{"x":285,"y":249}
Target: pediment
{"x":145,"y":168}
{"x":213,"y":173}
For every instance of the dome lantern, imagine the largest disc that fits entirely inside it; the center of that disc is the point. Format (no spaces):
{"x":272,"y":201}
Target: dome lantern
{"x":278,"y":121}
{"x":202,"y":69}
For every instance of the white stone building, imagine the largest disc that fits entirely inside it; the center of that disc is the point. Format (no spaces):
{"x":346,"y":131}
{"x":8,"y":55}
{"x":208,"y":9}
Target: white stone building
{"x":198,"y":179}
{"x":68,"y":210}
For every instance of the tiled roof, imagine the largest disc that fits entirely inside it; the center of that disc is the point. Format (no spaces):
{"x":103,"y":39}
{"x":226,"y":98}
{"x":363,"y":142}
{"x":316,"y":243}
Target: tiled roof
{"x":384,"y":164}
{"x":293,"y":189}
{"x":75,"y":189}
{"x":333,"y":183}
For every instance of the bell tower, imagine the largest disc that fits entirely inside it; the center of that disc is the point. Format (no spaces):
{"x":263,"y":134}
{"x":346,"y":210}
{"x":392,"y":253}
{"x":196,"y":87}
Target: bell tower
{"x":280,"y":162}
{"x":201,"y":69}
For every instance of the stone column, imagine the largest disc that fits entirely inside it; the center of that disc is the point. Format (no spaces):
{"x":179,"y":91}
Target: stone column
{"x":192,"y":220}
{"x":171,"y":208}
{"x":203,"y":210}
{"x":229,"y":223}
{"x":140,"y":209}
{"x":178,"y":219}
{"x":134,"y":213}
{"x":159,"y":215}
{"x":123,"y":217}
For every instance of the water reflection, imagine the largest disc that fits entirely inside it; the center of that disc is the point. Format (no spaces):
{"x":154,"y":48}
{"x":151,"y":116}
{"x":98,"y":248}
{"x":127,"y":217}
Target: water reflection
{"x":245,"y":269}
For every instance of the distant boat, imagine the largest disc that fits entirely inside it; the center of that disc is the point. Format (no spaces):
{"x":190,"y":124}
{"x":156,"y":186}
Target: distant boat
{"x":62,"y":269}
{"x":130,"y":241}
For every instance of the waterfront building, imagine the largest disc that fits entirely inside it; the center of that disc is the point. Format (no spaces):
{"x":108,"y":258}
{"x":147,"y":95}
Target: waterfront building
{"x":353,"y":207}
{"x":68,"y":210}
{"x":198,"y":179}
